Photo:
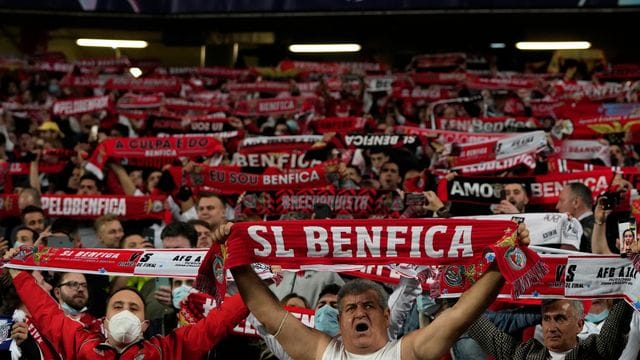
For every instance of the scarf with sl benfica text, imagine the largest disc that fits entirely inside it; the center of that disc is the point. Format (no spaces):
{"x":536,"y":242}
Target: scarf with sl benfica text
{"x":372,"y":242}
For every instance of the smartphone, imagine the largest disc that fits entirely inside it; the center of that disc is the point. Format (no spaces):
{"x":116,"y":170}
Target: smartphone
{"x":628,"y":235}
{"x":414,"y":199}
{"x":163,"y":281}
{"x":59,"y":241}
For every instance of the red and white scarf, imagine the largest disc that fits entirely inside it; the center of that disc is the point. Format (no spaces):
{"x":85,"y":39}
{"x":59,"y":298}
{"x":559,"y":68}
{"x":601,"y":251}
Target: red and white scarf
{"x":293,"y":244}
{"x":166,"y":149}
{"x":92,"y":206}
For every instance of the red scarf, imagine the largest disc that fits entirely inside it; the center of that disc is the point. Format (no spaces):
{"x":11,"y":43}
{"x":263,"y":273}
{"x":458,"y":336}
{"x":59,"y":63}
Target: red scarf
{"x":276,"y":106}
{"x":91,"y":206}
{"x":165,"y":149}
{"x":230,"y":180}
{"x":356,"y":203}
{"x":487,"y":124}
{"x":293,"y":244}
{"x":151,"y":84}
{"x":81,"y":105}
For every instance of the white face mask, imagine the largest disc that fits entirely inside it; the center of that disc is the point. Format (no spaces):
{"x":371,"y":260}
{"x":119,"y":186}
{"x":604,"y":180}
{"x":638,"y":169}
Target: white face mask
{"x":124,"y":327}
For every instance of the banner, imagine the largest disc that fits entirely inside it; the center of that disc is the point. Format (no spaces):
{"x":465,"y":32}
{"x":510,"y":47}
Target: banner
{"x":91,"y":206}
{"x":446,"y":136}
{"x":542,"y":189}
{"x":360,"y":203}
{"x":488,"y":124}
{"x":284,"y":143}
{"x":597,"y":126}
{"x":80,"y":105}
{"x":570,"y":277}
{"x":277,"y":106}
{"x":164,"y":149}
{"x":230,"y":180}
{"x":496,"y":166}
{"x":291,"y":160}
{"x":338,"y":124}
{"x":465,"y":154}
{"x":292,"y":244}
{"x":133,"y":101}
{"x":584,"y":150}
{"x":544,"y":228}
{"x":151,"y":84}
{"x":173,"y":123}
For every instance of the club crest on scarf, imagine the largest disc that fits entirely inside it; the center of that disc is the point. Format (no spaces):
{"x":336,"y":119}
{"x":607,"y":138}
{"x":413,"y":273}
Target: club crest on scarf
{"x":218,"y":269}
{"x":516,"y":258}
{"x":453,"y":275}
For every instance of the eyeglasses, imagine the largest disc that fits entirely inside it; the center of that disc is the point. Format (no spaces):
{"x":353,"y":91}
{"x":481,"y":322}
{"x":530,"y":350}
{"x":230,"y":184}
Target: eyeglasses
{"x":74,"y":285}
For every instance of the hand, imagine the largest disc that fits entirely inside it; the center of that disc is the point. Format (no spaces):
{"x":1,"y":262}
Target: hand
{"x":505,"y":207}
{"x":41,"y":238}
{"x":432,"y":201}
{"x":219,"y":235}
{"x":4,"y":245}
{"x":163,"y":295}
{"x":523,"y":235}
{"x":599,"y":213}
{"x":8,"y":256}
{"x":19,"y":332}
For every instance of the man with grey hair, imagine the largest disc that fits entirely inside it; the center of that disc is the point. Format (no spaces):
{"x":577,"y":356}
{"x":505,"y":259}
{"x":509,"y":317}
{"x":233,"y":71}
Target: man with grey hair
{"x":363,"y":317}
{"x":576,"y":199}
{"x":562,"y":320}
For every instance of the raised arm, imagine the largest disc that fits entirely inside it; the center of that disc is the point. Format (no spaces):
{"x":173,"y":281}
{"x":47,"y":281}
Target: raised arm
{"x":599,"y":236}
{"x":434,"y":340}
{"x":298,"y":340}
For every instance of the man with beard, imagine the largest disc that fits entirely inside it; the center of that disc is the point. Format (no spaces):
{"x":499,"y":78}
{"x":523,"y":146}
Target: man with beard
{"x":514,"y":200}
{"x":71,"y":291}
{"x":121,"y":336}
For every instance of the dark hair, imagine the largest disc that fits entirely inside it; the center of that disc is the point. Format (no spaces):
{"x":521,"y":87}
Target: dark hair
{"x":582,"y":192}
{"x":56,"y":281}
{"x":179,"y":228}
{"x":210,"y":195}
{"x":64,"y":225}
{"x":14,"y":233}
{"x":195,"y":222}
{"x":31,"y":209}
{"x":90,"y":176}
{"x":293,"y":295}
{"x":132,"y":289}
{"x":361,"y":286}
{"x":332,"y":289}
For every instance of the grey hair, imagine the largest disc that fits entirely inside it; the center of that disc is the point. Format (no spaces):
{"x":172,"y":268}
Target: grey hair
{"x":582,"y":192}
{"x":361,"y":286}
{"x":576,"y":305}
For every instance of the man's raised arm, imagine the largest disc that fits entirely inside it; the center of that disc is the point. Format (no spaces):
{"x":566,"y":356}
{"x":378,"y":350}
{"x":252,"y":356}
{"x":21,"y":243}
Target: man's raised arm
{"x":298,"y":340}
{"x":433,"y":341}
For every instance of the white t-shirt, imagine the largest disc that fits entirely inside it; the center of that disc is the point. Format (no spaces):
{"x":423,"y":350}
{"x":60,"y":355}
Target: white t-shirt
{"x":335,"y":351}
{"x":557,"y":355}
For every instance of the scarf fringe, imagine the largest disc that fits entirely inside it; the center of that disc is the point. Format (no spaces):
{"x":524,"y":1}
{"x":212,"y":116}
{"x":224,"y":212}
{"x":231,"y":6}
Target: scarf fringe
{"x":535,"y":274}
{"x":635,"y":260}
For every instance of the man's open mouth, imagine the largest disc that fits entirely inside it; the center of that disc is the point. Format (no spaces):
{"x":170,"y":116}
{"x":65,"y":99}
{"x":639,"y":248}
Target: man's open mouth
{"x":362,"y":327}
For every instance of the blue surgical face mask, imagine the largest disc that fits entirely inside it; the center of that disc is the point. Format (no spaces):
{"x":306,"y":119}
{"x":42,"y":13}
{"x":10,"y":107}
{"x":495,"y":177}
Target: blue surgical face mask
{"x":71,"y":311}
{"x":597,"y":318}
{"x":426,"y":305}
{"x":326,"y":320}
{"x":178,"y":294}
